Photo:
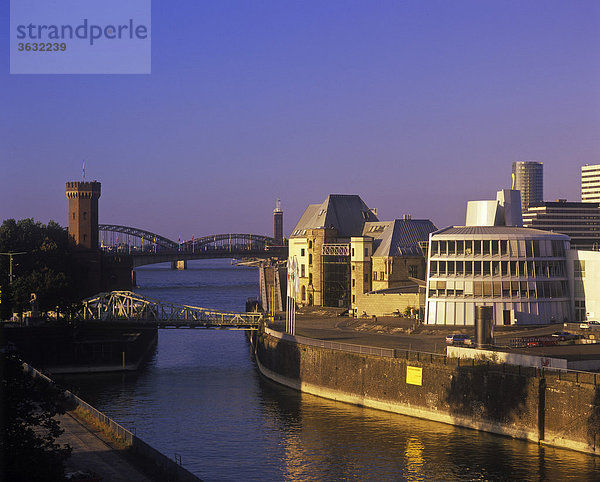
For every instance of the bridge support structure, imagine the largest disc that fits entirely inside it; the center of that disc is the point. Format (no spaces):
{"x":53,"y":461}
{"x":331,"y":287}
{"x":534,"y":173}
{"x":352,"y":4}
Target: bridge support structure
{"x":180,"y":264}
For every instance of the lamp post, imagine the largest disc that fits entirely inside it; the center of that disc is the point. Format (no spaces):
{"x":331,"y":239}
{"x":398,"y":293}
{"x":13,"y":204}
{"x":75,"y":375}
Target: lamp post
{"x":10,"y":257}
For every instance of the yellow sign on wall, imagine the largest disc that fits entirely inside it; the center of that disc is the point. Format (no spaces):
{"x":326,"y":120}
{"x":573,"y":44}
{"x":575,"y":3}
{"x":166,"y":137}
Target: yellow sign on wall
{"x":414,"y":375}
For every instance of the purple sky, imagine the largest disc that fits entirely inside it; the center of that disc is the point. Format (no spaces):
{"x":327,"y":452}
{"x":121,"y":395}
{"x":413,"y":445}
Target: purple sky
{"x":417,"y":106}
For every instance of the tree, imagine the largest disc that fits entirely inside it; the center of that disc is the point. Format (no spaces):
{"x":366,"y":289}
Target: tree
{"x":28,"y":426}
{"x":46,"y":269}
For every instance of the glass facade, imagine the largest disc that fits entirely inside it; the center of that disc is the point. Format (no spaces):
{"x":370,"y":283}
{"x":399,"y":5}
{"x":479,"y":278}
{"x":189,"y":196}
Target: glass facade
{"x":521,"y":272}
{"x":336,"y":280}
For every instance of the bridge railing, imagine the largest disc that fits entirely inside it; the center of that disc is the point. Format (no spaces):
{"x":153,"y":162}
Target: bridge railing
{"x":126,"y":305}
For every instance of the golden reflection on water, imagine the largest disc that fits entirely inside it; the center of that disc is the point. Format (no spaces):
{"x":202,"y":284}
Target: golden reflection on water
{"x":414,"y":458}
{"x":344,"y":441}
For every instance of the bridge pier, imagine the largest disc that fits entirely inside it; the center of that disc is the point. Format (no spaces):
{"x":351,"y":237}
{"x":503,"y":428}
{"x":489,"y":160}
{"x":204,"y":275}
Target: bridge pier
{"x":179,"y":264}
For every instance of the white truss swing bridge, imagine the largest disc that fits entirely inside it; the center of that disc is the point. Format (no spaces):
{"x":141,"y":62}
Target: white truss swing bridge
{"x":126,"y":306}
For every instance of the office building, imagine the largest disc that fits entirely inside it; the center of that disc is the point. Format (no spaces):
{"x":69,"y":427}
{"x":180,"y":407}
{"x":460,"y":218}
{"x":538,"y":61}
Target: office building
{"x":578,"y":220}
{"x":521,"y":272}
{"x":590,"y":183}
{"x":528,"y":177}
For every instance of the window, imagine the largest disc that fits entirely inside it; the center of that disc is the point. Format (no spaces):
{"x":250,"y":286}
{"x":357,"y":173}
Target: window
{"x":579,"y":268}
{"x":433,"y":268}
{"x":374,"y":275}
{"x":84,"y":215}
{"x":84,"y":236}
{"x":451,"y":247}
{"x":73,"y":215}
{"x":503,"y":247}
{"x":366,"y":252}
{"x":486,"y":247}
{"x":309,"y":278}
{"x":477,"y":268}
{"x":310,"y":245}
{"x":477,"y":247}
{"x":302,"y":252}
{"x":468,"y":248}
{"x":381,"y":275}
{"x":413,"y":271}
{"x":303,"y":293}
{"x":460,"y":247}
{"x":353,"y":282}
{"x":309,"y":259}
{"x":353,"y":299}
{"x":302,"y":271}
{"x":352,"y":251}
{"x":468,"y":268}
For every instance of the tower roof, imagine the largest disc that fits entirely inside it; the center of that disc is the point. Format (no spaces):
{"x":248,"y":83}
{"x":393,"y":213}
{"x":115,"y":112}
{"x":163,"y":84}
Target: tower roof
{"x":345,"y":212}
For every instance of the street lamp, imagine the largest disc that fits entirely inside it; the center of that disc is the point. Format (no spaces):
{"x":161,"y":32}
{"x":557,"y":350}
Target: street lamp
{"x":10,"y":257}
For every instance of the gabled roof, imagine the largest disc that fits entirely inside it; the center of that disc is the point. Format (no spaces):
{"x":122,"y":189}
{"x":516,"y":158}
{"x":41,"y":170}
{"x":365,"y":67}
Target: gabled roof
{"x":400,"y":237}
{"x":345,"y":212}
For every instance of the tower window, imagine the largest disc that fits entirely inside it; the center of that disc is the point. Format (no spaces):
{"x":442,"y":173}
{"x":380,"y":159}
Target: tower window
{"x":84,"y":215}
{"x":73,"y":215}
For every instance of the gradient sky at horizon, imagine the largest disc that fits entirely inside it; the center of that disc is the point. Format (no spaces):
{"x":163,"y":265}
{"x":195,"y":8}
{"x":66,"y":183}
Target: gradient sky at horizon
{"x":416,"y":106}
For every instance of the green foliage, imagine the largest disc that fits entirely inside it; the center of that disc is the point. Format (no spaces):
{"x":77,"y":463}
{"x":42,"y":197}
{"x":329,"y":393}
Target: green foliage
{"x":46,"y":269}
{"x":28,"y":427}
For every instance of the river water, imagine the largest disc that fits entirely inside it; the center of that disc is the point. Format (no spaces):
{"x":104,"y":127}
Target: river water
{"x":201,"y":398}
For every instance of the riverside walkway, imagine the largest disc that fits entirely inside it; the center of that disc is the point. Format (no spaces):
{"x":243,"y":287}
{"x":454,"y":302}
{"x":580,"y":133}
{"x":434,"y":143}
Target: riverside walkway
{"x":94,"y":452}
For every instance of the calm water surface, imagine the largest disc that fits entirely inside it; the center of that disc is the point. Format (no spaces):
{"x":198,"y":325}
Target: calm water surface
{"x":200,"y":397}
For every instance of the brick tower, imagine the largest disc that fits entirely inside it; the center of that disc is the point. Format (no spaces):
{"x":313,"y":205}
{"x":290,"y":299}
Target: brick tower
{"x":278,"y":222}
{"x":83,"y":213}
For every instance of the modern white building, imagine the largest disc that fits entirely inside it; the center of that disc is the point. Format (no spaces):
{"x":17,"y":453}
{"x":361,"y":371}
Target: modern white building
{"x":521,"y":272}
{"x":590,"y":183}
{"x":584,"y":283}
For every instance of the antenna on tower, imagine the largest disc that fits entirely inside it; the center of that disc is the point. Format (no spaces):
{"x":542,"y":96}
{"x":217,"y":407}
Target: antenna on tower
{"x":83,"y":178}
{"x":278,"y":205}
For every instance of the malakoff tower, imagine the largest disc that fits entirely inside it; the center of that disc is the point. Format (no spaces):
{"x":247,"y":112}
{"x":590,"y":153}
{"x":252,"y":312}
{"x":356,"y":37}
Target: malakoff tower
{"x":83,"y":213}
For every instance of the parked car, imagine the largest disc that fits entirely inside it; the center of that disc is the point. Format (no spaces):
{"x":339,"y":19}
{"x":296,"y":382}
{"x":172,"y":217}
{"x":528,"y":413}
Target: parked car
{"x":458,"y":339}
{"x":565,"y":336}
{"x":589,"y":324}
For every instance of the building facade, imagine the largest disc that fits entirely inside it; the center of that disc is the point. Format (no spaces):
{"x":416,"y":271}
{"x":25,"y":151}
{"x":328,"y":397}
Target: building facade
{"x":579,"y":220}
{"x":528,"y":177}
{"x":590,"y":183}
{"x":521,"y":272}
{"x":344,"y":251}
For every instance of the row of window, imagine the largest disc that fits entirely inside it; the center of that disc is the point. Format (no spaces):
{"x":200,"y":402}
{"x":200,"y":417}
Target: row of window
{"x":523,"y":269}
{"x":499,"y":247}
{"x":497,"y":289}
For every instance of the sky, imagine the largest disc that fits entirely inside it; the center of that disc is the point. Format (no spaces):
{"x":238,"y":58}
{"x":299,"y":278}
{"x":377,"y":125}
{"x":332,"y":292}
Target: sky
{"x":417,"y":106}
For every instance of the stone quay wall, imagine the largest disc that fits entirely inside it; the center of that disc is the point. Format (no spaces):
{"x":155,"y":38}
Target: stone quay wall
{"x":555,"y":407}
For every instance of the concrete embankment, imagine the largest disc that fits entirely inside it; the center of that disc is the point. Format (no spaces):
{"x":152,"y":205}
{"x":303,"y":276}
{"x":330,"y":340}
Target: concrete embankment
{"x":153,"y":461}
{"x":558,"y":408}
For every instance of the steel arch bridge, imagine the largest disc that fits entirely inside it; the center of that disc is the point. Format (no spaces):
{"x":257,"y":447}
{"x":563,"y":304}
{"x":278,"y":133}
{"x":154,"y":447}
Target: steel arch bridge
{"x":147,"y":248}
